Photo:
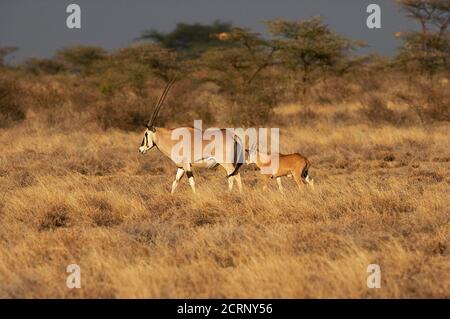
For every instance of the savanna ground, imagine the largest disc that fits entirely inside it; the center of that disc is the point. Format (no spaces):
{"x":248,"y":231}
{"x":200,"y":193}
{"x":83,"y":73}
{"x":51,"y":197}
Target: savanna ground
{"x":86,"y":196}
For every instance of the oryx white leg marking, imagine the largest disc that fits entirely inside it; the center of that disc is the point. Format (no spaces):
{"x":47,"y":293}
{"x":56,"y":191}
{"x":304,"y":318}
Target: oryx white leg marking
{"x":280,"y":186}
{"x":266,"y":182}
{"x":230,"y":182}
{"x":310,"y":181}
{"x":190,"y":177}
{"x":192,"y":183}
{"x":179,"y":175}
{"x":239,"y":182}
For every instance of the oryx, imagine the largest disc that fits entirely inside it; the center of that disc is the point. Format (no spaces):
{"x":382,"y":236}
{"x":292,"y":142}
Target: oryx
{"x":225,"y":150}
{"x":295,"y":165}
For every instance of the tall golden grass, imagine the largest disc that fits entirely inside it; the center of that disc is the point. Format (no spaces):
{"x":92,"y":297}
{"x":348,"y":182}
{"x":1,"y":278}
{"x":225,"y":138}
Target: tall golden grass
{"x":85,"y":196}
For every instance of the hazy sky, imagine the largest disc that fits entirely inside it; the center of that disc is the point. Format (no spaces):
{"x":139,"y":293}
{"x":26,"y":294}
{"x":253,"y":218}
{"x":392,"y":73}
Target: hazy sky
{"x":38,"y":27}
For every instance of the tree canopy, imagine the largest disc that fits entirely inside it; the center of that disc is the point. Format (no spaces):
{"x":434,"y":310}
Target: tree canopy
{"x":191,"y":39}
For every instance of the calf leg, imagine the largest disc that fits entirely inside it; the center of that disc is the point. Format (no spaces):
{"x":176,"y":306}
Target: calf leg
{"x":266,"y":181}
{"x":296,"y":173}
{"x":280,"y":186}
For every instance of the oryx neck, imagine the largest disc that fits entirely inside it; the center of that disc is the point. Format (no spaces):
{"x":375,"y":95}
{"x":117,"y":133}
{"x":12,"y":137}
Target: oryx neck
{"x":161,"y":138}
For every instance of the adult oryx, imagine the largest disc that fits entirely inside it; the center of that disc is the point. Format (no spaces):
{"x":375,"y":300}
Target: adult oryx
{"x":188,"y":147}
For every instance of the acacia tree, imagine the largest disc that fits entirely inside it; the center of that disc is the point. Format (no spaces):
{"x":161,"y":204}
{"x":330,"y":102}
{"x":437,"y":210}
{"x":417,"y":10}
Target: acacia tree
{"x":238,"y":70}
{"x":309,"y":46}
{"x":190,"y":39}
{"x":433,"y":15}
{"x":429,"y":49}
{"x":134,"y":66}
{"x":80,"y":59}
{"x":244,"y":59}
{"x":161,"y":62}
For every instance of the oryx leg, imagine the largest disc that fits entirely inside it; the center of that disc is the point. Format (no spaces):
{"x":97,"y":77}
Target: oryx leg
{"x":190,"y":176}
{"x":309,"y":181}
{"x":229,"y":168}
{"x":297,"y":179}
{"x":266,"y":181}
{"x":280,"y":186}
{"x":237,"y":177}
{"x":230,"y":182}
{"x":180,"y":173}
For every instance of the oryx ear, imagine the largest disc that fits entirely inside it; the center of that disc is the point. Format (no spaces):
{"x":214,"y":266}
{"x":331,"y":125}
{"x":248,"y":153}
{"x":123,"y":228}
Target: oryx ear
{"x":150,"y":127}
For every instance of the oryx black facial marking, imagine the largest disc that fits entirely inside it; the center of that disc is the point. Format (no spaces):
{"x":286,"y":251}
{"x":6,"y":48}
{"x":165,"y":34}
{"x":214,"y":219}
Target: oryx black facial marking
{"x":145,"y":140}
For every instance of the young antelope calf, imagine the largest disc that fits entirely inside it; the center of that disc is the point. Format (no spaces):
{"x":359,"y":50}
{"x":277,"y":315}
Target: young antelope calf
{"x":294,"y":165}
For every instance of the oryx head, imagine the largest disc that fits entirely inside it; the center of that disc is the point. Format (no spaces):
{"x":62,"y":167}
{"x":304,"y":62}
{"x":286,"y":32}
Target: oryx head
{"x":147,"y":141}
{"x":149,"y":134}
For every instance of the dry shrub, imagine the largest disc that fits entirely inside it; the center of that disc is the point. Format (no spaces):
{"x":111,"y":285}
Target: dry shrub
{"x":101,"y":163}
{"x":11,"y":111}
{"x":150,"y":167}
{"x":428,"y":177}
{"x":430,"y":101}
{"x":333,"y":91}
{"x":106,"y":219}
{"x":103,"y":215}
{"x":370,"y":82}
{"x":24,"y":178}
{"x":47,"y":98}
{"x":375,"y":110}
{"x":438,"y":105}
{"x":43,"y":66}
{"x":56,"y":217}
{"x":118,"y":113}
{"x":342,"y":117}
{"x":393,"y":204}
{"x":306,"y":115}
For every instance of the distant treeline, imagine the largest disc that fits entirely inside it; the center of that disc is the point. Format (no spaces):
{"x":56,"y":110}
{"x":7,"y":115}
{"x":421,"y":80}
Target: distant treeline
{"x":240,"y":71}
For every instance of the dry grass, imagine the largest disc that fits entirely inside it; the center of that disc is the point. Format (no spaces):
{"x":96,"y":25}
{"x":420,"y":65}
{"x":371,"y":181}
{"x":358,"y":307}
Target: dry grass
{"x":88,"y":197}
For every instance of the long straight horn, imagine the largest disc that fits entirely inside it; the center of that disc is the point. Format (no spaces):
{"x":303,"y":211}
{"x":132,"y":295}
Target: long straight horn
{"x":160,"y":103}
{"x":160,"y":100}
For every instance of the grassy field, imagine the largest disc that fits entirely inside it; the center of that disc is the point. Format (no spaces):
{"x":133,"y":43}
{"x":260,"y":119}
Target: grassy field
{"x":85,"y":196}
